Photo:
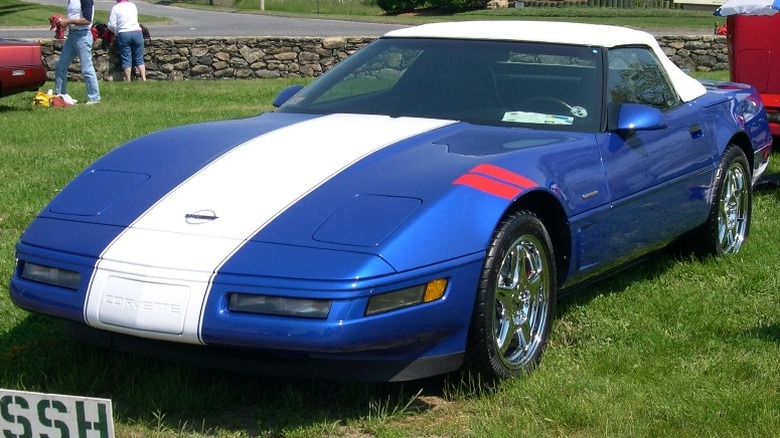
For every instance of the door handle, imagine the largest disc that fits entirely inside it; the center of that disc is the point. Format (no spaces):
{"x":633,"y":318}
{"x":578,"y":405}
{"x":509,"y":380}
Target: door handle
{"x":695,"y":131}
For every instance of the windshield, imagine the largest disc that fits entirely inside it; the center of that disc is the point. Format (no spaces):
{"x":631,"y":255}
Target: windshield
{"x":483,"y":82}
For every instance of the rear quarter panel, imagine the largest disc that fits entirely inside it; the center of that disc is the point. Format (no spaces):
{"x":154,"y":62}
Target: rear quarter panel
{"x":735,"y":113}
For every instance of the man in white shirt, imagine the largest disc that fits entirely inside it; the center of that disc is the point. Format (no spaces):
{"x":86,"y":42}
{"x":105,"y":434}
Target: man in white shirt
{"x":78,"y":21}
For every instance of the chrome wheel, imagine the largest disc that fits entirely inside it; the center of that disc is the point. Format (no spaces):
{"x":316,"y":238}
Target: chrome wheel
{"x":515,"y":300}
{"x":522,"y":300}
{"x":733,"y":209}
{"x":728,"y":223}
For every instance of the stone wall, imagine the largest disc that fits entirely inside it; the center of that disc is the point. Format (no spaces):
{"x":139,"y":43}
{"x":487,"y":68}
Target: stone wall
{"x":697,"y":53}
{"x":218,"y":58}
{"x":272,"y":57}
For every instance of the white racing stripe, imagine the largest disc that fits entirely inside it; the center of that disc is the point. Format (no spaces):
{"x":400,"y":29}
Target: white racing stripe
{"x":153,"y":279}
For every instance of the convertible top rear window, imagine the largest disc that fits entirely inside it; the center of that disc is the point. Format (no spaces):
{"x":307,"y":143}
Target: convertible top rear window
{"x":482,"y":82}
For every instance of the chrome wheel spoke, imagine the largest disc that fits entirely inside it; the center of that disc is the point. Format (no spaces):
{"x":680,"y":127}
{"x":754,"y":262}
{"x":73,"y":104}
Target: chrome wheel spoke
{"x":504,"y":327}
{"x":733,"y":210}
{"x":521,"y":302}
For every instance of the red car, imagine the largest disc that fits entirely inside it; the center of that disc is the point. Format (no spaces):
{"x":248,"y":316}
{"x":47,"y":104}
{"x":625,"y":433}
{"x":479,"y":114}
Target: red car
{"x":753,"y":31}
{"x":753,"y":42}
{"x":21,"y":67}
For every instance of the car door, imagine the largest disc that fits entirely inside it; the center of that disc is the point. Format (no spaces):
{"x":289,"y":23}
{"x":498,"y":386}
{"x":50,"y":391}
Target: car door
{"x":657,"y":178}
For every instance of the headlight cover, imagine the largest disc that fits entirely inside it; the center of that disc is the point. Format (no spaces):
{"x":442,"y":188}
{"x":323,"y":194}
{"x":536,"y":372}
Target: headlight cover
{"x":50,"y":275}
{"x":279,"y":306}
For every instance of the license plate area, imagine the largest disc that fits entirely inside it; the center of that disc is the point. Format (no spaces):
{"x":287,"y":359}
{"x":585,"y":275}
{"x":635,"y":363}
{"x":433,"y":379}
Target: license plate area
{"x":142,"y":305}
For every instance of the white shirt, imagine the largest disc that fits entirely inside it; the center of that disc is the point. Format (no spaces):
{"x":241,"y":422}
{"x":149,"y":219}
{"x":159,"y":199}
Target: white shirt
{"x":81,"y":8}
{"x":124,"y":18}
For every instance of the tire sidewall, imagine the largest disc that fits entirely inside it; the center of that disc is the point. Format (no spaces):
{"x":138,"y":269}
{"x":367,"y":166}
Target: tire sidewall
{"x":732,"y":155}
{"x":482,"y":351}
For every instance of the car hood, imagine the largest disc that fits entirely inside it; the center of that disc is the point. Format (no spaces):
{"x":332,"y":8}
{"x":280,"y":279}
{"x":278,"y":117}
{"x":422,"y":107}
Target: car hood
{"x":349,"y":183}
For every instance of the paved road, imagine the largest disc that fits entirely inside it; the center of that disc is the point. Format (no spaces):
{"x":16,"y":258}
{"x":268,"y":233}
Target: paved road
{"x":195,"y":23}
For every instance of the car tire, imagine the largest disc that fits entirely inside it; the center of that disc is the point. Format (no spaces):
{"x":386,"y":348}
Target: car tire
{"x":728,"y":223}
{"x":515,"y":300}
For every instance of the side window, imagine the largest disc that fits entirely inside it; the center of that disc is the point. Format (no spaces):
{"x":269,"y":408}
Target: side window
{"x":636,"y":76}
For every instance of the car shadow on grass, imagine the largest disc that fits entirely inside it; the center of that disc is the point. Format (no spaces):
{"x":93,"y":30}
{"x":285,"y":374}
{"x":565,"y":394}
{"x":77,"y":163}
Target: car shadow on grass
{"x":163,"y":397}
{"x":768,"y":333}
{"x":770,"y":182}
{"x":8,"y":108}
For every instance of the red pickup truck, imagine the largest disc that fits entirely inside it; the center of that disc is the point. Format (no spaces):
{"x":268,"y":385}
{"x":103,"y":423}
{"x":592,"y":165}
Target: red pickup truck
{"x":754,"y":45}
{"x":753,"y":31}
{"x":21,"y":67}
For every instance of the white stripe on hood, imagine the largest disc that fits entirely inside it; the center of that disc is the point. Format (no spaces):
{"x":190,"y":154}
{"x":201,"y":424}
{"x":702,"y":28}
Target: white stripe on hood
{"x":153,"y":279}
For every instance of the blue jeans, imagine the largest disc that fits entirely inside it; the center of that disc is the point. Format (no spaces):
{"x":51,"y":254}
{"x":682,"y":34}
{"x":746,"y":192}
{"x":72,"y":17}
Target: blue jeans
{"x":78,"y":43}
{"x":131,"y":48}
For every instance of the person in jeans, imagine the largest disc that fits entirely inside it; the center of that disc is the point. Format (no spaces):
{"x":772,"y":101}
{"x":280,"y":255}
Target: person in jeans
{"x":78,"y":21}
{"x":123,"y":21}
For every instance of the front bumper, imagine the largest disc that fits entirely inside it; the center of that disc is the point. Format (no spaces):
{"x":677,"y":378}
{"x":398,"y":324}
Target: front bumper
{"x":330,"y":367}
{"x":410,"y":338}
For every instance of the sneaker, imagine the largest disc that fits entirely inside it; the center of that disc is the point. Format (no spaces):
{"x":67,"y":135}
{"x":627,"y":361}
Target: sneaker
{"x":92,"y":102}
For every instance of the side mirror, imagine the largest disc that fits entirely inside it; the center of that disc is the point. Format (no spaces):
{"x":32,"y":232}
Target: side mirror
{"x":286,"y":94}
{"x":638,"y":117}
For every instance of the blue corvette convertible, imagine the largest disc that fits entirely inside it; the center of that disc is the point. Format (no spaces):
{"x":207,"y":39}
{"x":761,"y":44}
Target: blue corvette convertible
{"x":412,"y":212}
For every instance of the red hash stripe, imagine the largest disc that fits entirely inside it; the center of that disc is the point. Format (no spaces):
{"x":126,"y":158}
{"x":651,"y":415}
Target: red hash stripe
{"x":504,"y":175}
{"x":488,"y":185}
{"x":495,"y":181}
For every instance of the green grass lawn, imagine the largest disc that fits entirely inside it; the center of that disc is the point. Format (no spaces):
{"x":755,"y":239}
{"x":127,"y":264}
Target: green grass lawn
{"x":672,"y":347}
{"x":644,"y":18}
{"x":19,"y":13}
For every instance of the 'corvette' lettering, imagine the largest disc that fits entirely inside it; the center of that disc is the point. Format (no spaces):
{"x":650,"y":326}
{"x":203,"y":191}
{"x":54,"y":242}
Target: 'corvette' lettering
{"x":143,"y":305}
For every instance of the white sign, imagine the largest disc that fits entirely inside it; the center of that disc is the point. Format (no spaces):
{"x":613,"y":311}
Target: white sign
{"x":35,"y":415}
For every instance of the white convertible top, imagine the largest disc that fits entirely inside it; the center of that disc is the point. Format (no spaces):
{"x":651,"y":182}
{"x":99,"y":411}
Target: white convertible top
{"x":580,"y":34}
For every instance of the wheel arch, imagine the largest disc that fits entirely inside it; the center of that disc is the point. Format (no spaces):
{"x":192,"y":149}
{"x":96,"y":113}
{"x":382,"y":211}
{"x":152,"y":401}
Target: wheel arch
{"x":550,"y":211}
{"x":742,"y":141}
